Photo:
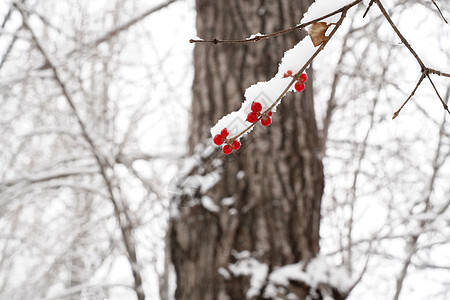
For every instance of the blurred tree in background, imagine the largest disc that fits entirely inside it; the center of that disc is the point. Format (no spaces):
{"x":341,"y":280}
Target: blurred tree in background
{"x":274,"y":186}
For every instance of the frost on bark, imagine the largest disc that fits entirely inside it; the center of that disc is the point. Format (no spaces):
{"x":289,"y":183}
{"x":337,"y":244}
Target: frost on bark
{"x":272,"y":186}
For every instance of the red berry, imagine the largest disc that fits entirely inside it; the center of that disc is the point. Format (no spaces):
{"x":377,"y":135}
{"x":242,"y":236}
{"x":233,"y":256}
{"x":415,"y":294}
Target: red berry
{"x":299,"y":86}
{"x":236,"y":145}
{"x":224,"y":133}
{"x":227,"y":149}
{"x":252,"y":117}
{"x":266,"y":121}
{"x":287,"y":74}
{"x":218,"y":139}
{"x":303,"y":77}
{"x":269,"y":113}
{"x":256,"y":107}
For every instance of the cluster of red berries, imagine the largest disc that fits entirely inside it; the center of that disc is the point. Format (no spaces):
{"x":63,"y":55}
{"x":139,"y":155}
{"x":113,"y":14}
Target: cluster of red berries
{"x":254,"y":115}
{"x":300,"y":84}
{"x":221,"y":138}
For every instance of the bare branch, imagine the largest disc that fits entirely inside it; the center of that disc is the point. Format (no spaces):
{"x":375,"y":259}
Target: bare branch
{"x":400,"y":35}
{"x":10,"y":46}
{"x":107,"y":36}
{"x":439,"y":10}
{"x":437,"y":72}
{"x":437,"y":93}
{"x":361,"y":275}
{"x":284,"y":31}
{"x":120,"y":210}
{"x":50,"y":175}
{"x":7,"y":16}
{"x":401,"y":277}
{"x":79,"y":288}
{"x":368,"y":8}
{"x":410,"y":96}
{"x":425,"y":70}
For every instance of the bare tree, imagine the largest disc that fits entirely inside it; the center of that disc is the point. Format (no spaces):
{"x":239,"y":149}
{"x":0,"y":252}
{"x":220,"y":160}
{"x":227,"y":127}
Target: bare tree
{"x":73,"y":197}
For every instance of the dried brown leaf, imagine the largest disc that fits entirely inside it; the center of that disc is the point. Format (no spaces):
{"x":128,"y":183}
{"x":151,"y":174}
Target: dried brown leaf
{"x":317,"y":33}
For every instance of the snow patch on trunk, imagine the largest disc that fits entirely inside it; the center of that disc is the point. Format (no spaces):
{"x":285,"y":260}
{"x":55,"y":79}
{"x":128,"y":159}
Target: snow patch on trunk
{"x":249,"y":266}
{"x":209,"y":204}
{"x":317,"y":272}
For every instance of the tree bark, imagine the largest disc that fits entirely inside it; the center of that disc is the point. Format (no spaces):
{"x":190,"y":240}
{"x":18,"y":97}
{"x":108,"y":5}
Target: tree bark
{"x":275,"y":179}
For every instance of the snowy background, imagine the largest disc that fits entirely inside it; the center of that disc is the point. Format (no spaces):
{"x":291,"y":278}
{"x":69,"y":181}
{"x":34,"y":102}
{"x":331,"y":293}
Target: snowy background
{"x":387,"y":194}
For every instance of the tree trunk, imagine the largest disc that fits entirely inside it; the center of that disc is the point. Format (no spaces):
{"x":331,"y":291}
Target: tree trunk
{"x":275,"y":179}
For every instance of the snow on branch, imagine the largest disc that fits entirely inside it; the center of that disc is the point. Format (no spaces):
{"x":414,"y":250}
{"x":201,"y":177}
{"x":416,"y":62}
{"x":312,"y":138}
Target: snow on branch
{"x":262,"y":98}
{"x":322,"y":20}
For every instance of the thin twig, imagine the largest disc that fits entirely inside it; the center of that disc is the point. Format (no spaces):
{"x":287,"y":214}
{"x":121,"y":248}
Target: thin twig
{"x":361,"y":275}
{"x":437,"y":72}
{"x":10,"y":47}
{"x":5,"y":20}
{"x":62,"y":85}
{"x":410,"y":96}
{"x":400,"y":35}
{"x":439,"y":10}
{"x":368,"y":8}
{"x":284,"y":31}
{"x":116,"y":31}
{"x":437,"y":93}
{"x":107,"y":36}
